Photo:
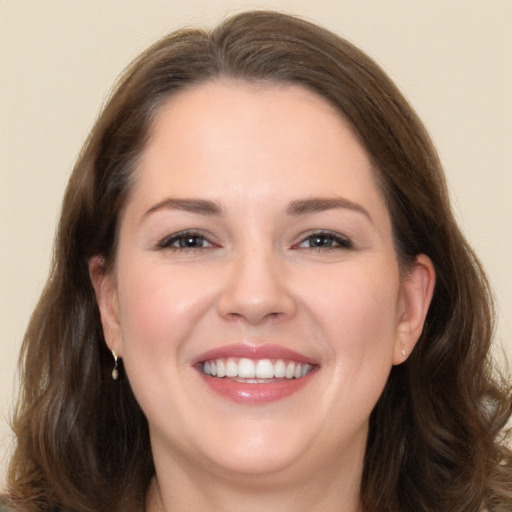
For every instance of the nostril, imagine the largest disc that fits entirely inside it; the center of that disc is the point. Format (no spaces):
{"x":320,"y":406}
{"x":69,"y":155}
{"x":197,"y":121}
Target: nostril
{"x":255,"y":318}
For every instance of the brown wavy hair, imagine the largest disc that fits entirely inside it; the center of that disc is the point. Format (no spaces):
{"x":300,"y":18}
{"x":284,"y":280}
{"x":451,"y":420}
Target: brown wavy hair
{"x":436,"y":440}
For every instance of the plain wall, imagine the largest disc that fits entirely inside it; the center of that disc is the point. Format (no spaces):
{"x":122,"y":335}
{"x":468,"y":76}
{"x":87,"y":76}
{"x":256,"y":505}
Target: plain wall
{"x":58,"y":60}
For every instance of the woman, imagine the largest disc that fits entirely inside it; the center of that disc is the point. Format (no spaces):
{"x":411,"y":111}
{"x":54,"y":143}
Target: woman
{"x":260,"y":297}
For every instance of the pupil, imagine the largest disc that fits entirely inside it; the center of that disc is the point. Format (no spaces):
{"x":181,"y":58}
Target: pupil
{"x":322,"y":241}
{"x":188,"y":241}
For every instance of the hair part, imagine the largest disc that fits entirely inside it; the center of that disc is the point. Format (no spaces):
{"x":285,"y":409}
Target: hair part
{"x":83,"y":441}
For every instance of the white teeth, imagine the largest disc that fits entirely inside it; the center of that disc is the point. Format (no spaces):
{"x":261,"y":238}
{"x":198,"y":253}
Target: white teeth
{"x":290,"y":369}
{"x":264,"y":369}
{"x":221,"y":369}
{"x":231,"y":368}
{"x":255,"y":381}
{"x":279,"y":369}
{"x":306,"y":368}
{"x":255,"y":370}
{"x":246,"y":368}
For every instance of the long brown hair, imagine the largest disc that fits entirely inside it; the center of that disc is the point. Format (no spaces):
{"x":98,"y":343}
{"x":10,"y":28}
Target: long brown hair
{"x":434,"y":441}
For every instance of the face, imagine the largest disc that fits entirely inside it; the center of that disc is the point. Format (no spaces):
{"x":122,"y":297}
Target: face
{"x":256,"y":298}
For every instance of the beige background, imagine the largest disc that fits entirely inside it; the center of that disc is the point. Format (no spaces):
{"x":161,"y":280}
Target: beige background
{"x":58,"y":59}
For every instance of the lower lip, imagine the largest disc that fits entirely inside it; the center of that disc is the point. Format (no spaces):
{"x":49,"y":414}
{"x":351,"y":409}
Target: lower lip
{"x":257,"y":394}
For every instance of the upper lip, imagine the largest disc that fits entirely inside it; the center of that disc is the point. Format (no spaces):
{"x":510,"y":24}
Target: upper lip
{"x":256,"y":352}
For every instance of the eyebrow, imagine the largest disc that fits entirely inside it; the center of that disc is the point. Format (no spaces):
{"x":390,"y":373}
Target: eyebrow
{"x":295,"y":208}
{"x":320,"y":204}
{"x":200,"y":206}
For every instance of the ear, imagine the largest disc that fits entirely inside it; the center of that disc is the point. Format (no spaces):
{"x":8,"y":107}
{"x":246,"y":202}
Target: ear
{"x":417,"y":289}
{"x":105,"y":288}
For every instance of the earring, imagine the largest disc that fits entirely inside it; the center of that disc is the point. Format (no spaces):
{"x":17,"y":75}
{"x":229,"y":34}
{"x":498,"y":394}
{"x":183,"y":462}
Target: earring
{"x":403,"y":353}
{"x":115,"y":371}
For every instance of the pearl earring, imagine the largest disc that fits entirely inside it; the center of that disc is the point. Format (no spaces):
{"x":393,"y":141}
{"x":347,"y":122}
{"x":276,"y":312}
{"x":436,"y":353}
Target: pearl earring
{"x":115,"y":371}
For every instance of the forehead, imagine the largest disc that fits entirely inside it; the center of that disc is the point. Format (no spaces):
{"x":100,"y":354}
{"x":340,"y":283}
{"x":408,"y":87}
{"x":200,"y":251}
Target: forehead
{"x":230,"y":139}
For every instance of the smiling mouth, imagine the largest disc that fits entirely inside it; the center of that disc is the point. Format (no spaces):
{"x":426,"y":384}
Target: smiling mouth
{"x":250,"y":374}
{"x":255,"y":371}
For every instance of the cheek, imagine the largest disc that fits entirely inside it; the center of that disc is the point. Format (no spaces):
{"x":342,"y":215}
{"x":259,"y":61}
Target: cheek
{"x":160,"y":311}
{"x":359,"y":317}
{"x":362,"y":334}
{"x":159,"y":308}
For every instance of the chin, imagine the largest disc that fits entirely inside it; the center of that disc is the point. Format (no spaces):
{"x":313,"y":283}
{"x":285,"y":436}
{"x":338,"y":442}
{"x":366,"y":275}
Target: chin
{"x":266,"y":465}
{"x":263,"y":449}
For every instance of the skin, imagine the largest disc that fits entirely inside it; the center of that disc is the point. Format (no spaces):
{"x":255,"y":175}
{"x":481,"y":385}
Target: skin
{"x":254,"y":275}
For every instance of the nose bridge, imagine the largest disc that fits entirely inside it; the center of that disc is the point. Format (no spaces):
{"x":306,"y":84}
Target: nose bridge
{"x":256,"y":288}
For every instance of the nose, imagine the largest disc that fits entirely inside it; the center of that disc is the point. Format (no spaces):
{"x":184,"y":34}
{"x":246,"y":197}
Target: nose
{"x":256,"y":290}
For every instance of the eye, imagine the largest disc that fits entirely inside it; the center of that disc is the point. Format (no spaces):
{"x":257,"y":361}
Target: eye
{"x":325,"y":240}
{"x":185,"y":240}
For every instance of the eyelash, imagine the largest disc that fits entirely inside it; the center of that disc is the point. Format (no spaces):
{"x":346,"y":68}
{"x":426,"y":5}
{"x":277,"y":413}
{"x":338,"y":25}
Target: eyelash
{"x":184,"y":236}
{"x":336,"y":240}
